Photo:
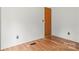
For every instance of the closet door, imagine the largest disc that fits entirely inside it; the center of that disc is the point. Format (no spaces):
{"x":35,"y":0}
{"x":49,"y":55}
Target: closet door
{"x":47,"y":22}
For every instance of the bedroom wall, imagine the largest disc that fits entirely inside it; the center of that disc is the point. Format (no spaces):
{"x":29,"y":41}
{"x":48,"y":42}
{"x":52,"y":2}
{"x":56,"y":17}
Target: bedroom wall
{"x":20,"y":25}
{"x":0,"y":27}
{"x":66,"y":19}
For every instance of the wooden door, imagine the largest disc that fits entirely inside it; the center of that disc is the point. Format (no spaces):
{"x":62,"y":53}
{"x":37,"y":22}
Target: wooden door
{"x":47,"y":22}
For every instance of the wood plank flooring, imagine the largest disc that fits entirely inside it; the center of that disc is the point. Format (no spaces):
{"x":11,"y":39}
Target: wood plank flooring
{"x":47,"y":44}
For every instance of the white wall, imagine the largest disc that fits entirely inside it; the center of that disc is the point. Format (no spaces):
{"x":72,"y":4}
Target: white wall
{"x":0,"y":27}
{"x":24,"y":22}
{"x":66,"y":19}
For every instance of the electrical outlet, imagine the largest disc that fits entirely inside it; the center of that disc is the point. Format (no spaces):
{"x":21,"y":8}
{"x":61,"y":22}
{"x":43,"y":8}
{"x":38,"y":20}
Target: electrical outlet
{"x":17,"y":37}
{"x":68,"y":33}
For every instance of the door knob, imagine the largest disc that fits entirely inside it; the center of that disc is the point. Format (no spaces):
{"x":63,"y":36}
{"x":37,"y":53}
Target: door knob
{"x":42,"y":20}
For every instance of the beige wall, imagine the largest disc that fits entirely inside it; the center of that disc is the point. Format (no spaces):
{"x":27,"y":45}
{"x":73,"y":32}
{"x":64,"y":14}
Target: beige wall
{"x":0,"y":27}
{"x":24,"y":22}
{"x":66,"y":19}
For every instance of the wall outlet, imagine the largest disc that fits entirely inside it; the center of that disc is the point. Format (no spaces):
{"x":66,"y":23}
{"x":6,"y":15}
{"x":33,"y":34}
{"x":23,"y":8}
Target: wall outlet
{"x":17,"y":37}
{"x":68,"y":33}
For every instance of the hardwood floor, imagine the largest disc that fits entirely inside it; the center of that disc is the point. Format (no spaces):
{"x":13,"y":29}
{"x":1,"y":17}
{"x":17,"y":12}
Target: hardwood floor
{"x":47,"y":44}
